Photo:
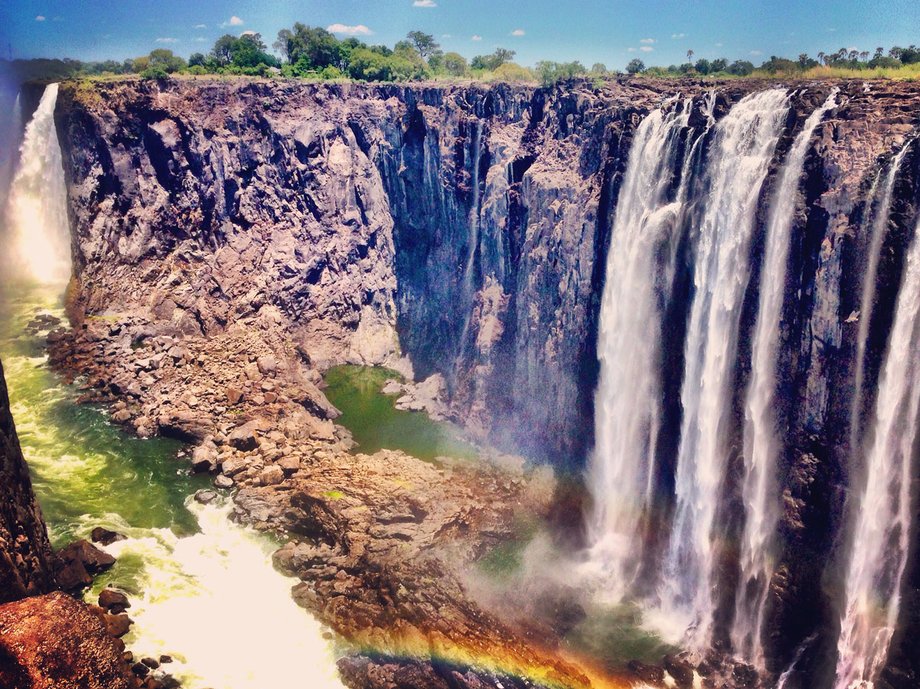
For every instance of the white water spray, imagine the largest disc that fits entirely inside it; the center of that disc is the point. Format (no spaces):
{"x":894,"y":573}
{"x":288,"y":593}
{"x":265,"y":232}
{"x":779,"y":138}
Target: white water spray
{"x":744,"y":146}
{"x":762,"y":443}
{"x":214,"y":602}
{"x":628,"y":402}
{"x":37,"y":205}
{"x":881,"y":539}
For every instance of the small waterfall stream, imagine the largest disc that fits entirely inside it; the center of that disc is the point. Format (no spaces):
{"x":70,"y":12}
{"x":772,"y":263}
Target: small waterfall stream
{"x":761,"y":438}
{"x":877,"y":231}
{"x":881,"y":537}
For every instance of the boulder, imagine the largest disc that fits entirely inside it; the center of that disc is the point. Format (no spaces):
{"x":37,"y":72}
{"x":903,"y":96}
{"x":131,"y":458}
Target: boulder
{"x":271,"y":475}
{"x":204,"y":457}
{"x":117,"y":625}
{"x":223,"y":482}
{"x":205,"y":497}
{"x":55,"y":641}
{"x":76,"y":563}
{"x":244,"y":438}
{"x":104,"y":536}
{"x":234,"y":465}
{"x":113,"y":601}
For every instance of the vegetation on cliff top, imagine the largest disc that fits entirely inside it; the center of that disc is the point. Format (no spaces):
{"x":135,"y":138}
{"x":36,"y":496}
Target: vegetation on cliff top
{"x":315,"y":53}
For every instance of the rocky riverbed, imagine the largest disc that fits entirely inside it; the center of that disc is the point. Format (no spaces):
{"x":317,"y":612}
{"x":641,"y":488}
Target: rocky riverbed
{"x":378,"y":541}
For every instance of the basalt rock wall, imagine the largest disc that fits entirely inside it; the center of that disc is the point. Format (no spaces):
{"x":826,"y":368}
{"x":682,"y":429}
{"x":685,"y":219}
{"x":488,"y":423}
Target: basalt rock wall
{"x":463,"y":230}
{"x":25,"y":553}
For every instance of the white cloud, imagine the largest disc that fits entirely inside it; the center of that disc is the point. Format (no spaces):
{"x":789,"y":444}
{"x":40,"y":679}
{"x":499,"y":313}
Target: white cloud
{"x":719,"y":44}
{"x":248,"y":32}
{"x":201,"y":26}
{"x":831,"y":29}
{"x":233,"y":21}
{"x":424,"y":3}
{"x":446,"y":35}
{"x":201,"y":39}
{"x":356,"y":30}
{"x":675,"y":36}
{"x":647,"y":41}
{"x":40,"y":18}
{"x":167,"y":40}
{"x":517,"y":32}
{"x":476,"y":37}
{"x":755,"y":53}
{"x":630,"y":50}
{"x":646,"y":49}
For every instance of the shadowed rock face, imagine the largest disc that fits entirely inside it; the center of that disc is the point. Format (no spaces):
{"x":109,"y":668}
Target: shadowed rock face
{"x":25,"y":553}
{"x":466,"y":228}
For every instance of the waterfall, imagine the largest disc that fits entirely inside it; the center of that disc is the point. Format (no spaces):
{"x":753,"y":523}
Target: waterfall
{"x":9,"y":138}
{"x":881,"y":538}
{"x":878,"y":231}
{"x":628,"y":401}
{"x":37,"y":206}
{"x":762,"y":443}
{"x":473,"y":248}
{"x":743,"y":148}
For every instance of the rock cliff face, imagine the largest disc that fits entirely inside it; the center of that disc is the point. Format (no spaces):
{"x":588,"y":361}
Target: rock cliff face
{"x":463,"y":230}
{"x":25,"y":553}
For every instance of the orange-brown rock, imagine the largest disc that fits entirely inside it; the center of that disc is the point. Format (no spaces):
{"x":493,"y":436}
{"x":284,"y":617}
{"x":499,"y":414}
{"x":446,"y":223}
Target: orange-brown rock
{"x":56,"y":642}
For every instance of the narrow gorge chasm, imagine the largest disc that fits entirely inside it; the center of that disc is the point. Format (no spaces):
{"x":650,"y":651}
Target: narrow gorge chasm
{"x":675,"y":325}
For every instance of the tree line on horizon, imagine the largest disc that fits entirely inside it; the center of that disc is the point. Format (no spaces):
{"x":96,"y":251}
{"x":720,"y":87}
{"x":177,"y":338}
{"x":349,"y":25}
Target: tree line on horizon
{"x":315,"y":53}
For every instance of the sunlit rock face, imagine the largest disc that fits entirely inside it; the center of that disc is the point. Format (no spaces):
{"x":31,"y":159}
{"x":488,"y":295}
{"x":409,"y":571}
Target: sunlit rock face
{"x":466,"y":228}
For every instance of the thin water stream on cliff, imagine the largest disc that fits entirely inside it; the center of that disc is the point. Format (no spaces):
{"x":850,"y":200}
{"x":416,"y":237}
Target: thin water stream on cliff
{"x":202,"y":589}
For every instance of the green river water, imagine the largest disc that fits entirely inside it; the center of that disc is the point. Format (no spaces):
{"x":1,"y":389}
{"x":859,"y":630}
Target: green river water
{"x":376,"y":423}
{"x":202,"y":589}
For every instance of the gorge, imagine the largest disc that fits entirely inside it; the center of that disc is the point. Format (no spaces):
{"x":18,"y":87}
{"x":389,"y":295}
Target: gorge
{"x":700,"y":300}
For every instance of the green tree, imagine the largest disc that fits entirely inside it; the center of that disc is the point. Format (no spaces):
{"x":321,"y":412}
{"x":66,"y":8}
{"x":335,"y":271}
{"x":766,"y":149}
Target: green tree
{"x":493,"y":61}
{"x":319,"y":47}
{"x":423,"y":43}
{"x":222,"y":51}
{"x":740,"y":68}
{"x":162,"y":57}
{"x":635,"y":66}
{"x":455,"y":65}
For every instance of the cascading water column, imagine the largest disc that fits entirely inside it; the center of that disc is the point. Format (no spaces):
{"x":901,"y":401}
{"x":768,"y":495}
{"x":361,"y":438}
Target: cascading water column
{"x":881,"y":538}
{"x":877,"y":232}
{"x":744,"y":146}
{"x":760,"y":492}
{"x":628,"y":404}
{"x":37,"y":205}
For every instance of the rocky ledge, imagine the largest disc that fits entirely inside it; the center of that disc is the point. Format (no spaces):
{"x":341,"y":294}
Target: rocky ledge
{"x":380,"y":542}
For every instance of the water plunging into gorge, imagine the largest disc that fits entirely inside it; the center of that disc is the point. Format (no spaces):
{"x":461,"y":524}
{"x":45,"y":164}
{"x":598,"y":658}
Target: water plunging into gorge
{"x":881,"y":539}
{"x":719,"y":211}
{"x":202,"y":588}
{"x":762,"y":440}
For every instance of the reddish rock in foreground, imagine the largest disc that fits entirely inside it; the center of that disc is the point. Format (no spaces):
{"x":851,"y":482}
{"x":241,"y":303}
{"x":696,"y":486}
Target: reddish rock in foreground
{"x":56,"y":642}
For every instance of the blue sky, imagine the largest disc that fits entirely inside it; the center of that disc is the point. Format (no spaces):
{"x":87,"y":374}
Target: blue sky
{"x":608,"y":31}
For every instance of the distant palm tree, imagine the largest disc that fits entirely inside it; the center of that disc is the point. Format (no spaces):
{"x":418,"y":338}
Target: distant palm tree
{"x":821,"y":57}
{"x":690,"y":56}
